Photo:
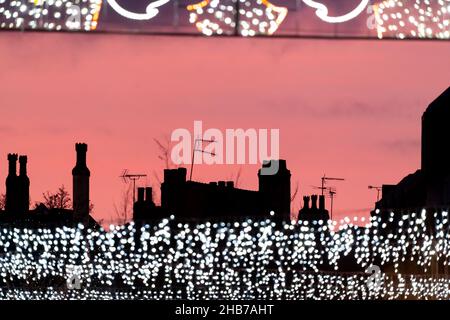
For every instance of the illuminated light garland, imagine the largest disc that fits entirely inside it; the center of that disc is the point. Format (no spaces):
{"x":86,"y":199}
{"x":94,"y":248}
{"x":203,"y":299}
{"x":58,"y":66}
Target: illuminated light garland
{"x":150,"y":12}
{"x":414,"y":19}
{"x":252,"y":20}
{"x":50,"y":14}
{"x":322,"y":11}
{"x":304,"y":287}
{"x":241,"y":260}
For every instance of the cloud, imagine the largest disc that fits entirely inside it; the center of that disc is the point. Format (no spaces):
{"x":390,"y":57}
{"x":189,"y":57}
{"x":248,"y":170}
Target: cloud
{"x":404,"y":146}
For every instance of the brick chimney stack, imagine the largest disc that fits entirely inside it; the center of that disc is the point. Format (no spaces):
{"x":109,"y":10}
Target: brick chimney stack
{"x":11,"y":185}
{"x":81,"y":176}
{"x":23,"y":186}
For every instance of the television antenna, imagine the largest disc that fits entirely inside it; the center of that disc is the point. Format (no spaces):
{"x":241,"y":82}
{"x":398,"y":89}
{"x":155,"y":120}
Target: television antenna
{"x":126,"y":176}
{"x":325,"y":179}
{"x":378,"y":191}
{"x":331,"y":190}
{"x":194,"y":150}
{"x":331,"y":193}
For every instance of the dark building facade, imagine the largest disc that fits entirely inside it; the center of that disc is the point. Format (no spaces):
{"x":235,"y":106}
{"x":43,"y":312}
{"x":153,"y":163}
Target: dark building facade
{"x":275,"y":189}
{"x":219,"y":200}
{"x":430,"y":185}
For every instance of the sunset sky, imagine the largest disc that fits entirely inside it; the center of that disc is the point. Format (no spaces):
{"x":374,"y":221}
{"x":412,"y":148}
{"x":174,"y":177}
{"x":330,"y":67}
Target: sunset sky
{"x":347,"y":108}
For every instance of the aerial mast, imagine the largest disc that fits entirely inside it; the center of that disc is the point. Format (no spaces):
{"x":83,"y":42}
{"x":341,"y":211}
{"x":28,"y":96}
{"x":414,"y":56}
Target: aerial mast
{"x":126,"y":176}
{"x":332,"y":191}
{"x":194,"y":150}
{"x":378,"y":191}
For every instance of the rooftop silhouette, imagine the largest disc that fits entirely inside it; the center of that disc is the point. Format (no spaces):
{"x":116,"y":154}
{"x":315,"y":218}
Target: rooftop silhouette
{"x":428,"y":187}
{"x":218,"y":200}
{"x":17,"y":206}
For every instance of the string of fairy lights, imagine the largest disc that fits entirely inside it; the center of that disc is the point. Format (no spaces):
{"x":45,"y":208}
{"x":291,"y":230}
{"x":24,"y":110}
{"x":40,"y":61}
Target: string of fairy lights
{"x":53,"y":15}
{"x":304,"y":287}
{"x":399,"y":19}
{"x":215,"y":17}
{"x":413,"y":19}
{"x":220,"y":260}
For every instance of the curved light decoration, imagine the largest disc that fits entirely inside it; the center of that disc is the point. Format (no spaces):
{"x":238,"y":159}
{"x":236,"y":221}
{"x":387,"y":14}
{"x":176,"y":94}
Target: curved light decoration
{"x":322,"y":11}
{"x":150,"y":12}
{"x":253,"y":20}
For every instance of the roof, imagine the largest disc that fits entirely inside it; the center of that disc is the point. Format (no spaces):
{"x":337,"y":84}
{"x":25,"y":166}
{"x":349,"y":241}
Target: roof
{"x":440,"y":104}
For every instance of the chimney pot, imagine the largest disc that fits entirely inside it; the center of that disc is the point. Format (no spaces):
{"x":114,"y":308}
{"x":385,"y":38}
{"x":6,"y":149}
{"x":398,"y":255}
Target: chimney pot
{"x":23,"y":165}
{"x":140,"y":192}
{"x":306,"y":202}
{"x":148,"y":194}
{"x":314,"y":201}
{"x":322,"y":202}
{"x":12,"y":158}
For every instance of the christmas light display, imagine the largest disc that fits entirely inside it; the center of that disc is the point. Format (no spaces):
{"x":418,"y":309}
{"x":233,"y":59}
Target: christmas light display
{"x":50,"y":14}
{"x":413,"y":19}
{"x":394,"y":19}
{"x":150,"y":12}
{"x":241,"y":260}
{"x":243,"y":17}
{"x":322,"y":11}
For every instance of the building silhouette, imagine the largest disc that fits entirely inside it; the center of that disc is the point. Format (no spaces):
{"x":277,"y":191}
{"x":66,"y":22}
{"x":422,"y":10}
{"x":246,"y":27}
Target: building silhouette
{"x":313,"y":212}
{"x":218,"y":200}
{"x":17,"y":204}
{"x":17,"y":186}
{"x":428,"y":187}
{"x":180,"y":197}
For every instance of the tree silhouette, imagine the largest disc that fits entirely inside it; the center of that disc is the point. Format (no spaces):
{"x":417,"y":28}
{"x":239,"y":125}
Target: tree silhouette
{"x":164,"y":151}
{"x":60,"y":200}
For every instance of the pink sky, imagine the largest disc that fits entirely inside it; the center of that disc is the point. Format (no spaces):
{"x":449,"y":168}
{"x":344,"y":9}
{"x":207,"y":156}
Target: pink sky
{"x":345,"y":108}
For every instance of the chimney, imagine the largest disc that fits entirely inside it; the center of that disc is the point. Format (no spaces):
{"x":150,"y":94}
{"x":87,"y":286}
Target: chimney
{"x":148,"y":194}
{"x":81,"y":175}
{"x":274,"y":181}
{"x":314,"y":202}
{"x":23,"y":186}
{"x":23,"y":165}
{"x":11,"y":184}
{"x":12,"y":159}
{"x":321,"y":202}
{"x":81,"y":149}
{"x":230,"y":184}
{"x":305,"y":202}
{"x":221,"y":184}
{"x":140,"y":192}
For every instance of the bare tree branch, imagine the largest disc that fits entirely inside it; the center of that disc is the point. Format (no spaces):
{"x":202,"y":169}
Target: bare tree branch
{"x":164,"y":151}
{"x":125,"y":208}
{"x":294,"y":195}
{"x":58,"y":200}
{"x":238,"y":177}
{"x":156,"y":176}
